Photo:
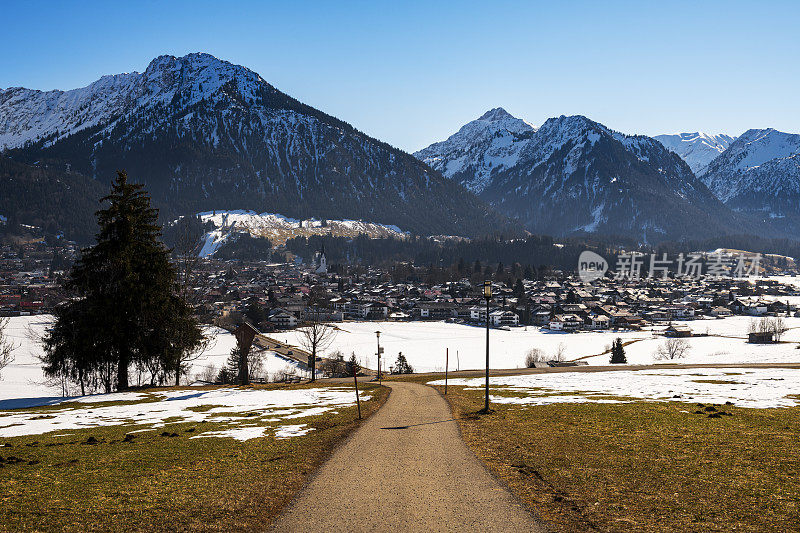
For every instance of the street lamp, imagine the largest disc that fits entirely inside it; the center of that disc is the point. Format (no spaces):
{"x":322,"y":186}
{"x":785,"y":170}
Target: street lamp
{"x":487,"y":293}
{"x":378,"y":335}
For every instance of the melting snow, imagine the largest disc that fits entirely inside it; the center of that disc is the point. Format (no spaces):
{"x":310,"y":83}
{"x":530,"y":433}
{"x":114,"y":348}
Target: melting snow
{"x":245,"y":408}
{"x":745,"y":387}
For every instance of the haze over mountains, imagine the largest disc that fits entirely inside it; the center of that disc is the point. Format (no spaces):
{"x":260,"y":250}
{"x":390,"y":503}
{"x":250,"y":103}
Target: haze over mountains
{"x":204,"y":135}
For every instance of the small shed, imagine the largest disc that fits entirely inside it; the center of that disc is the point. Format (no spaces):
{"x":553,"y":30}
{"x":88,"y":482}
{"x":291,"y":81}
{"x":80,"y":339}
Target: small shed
{"x":678,"y":331}
{"x":761,"y":337}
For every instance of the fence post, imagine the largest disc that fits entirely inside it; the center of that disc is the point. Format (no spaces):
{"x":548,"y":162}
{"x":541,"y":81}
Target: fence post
{"x":355,"y":381}
{"x":446,"y":364}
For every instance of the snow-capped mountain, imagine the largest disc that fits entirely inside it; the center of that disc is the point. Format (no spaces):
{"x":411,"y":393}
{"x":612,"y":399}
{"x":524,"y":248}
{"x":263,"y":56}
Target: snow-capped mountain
{"x":760,"y":173}
{"x":698,"y":149}
{"x":480,"y":148}
{"x":573,"y":175}
{"x":205,"y":134}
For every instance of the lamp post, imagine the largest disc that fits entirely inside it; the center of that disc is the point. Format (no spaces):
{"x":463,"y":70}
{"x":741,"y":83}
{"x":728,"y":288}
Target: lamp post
{"x":487,"y":293}
{"x":378,"y":335}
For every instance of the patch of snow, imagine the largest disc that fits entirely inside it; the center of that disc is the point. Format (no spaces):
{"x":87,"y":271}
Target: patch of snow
{"x":745,"y":387}
{"x":182,"y":406}
{"x":287,"y":432}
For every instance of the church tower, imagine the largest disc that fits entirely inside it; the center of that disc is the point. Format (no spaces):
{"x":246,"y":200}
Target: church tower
{"x":322,"y":268}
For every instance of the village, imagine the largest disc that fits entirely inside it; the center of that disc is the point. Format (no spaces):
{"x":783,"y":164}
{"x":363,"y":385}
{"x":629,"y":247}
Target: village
{"x":278,"y":296}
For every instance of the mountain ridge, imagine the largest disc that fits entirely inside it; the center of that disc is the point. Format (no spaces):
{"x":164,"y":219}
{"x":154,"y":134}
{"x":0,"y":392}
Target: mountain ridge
{"x":574,"y":175}
{"x":698,"y":149}
{"x":759,"y":174}
{"x":204,"y":134}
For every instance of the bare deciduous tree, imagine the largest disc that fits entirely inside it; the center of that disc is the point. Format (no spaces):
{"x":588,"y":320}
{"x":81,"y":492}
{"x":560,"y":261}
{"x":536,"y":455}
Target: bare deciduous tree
{"x":776,"y":326}
{"x":315,"y":335}
{"x":6,"y":347}
{"x":672,"y":348}
{"x":208,"y":374}
{"x":534,"y":355}
{"x":561,"y":352}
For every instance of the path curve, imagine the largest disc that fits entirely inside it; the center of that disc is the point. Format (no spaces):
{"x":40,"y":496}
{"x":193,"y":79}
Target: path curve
{"x":406,"y":469}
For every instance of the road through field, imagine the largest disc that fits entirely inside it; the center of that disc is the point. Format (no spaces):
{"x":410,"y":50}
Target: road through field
{"x":406,"y":469}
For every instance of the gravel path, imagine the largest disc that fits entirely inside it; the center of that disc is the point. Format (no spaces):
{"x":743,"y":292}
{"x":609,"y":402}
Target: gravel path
{"x":406,"y":469}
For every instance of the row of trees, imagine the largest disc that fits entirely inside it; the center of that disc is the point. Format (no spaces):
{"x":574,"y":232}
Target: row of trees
{"x":127,"y":308}
{"x":776,"y":326}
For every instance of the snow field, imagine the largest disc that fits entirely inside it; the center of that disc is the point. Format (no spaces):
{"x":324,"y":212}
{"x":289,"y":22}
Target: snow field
{"x":251,"y":413}
{"x":24,"y":378}
{"x":424,"y":344}
{"x":744,"y":387}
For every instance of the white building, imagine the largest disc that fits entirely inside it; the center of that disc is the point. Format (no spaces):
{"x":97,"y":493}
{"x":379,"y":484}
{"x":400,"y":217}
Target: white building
{"x":503,"y":318}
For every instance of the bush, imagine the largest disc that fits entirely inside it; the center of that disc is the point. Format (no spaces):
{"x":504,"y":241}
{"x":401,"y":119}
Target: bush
{"x":534,"y":355}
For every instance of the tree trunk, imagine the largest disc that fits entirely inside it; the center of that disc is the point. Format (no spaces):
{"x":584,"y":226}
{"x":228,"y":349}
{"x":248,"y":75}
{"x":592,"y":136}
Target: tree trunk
{"x":244,"y":371}
{"x":122,"y":369}
{"x":313,"y":363}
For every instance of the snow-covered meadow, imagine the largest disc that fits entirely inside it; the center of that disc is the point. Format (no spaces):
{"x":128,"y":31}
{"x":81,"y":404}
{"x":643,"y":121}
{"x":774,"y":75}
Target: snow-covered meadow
{"x":744,"y":387}
{"x":24,"y":378}
{"x":424,"y":344}
{"x":247,"y":413}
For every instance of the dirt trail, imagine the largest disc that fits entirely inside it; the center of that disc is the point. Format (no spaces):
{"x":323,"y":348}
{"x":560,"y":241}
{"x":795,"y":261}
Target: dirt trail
{"x":406,"y":469}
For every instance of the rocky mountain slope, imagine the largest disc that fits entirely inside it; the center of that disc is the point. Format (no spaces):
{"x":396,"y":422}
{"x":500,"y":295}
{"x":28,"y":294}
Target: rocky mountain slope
{"x":698,"y":149}
{"x":204,"y":134}
{"x":759,"y":174}
{"x":573,"y":175}
{"x":487,"y":145}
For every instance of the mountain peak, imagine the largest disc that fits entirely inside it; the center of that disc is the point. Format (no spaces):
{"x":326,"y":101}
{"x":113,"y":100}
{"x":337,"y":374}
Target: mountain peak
{"x":479,"y":148}
{"x":498,"y":113}
{"x":697,"y":148}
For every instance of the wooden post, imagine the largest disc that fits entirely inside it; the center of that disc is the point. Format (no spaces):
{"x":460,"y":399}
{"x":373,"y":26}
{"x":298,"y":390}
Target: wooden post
{"x":446,"y":364}
{"x":355,"y":381}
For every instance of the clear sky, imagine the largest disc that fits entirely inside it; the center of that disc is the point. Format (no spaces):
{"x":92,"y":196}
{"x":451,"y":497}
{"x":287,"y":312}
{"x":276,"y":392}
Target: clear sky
{"x":411,"y":73}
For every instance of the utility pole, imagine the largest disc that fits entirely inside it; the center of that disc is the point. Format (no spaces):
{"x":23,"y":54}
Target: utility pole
{"x":487,"y":293}
{"x":378,"y":335}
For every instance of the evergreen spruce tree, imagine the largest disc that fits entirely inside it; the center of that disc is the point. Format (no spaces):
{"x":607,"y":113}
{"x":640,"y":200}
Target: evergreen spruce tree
{"x":126,"y":307}
{"x":401,"y":366}
{"x":618,"y":352}
{"x":353,"y":367}
{"x":230,"y":372}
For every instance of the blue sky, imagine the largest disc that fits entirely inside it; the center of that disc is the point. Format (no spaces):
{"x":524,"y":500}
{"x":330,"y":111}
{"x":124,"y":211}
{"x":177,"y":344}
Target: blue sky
{"x":411,"y":73}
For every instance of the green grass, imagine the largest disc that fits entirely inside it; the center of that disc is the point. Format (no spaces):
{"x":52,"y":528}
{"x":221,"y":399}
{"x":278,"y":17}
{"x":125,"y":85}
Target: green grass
{"x":641,"y":466}
{"x":162,"y":483}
